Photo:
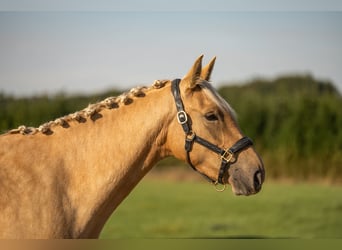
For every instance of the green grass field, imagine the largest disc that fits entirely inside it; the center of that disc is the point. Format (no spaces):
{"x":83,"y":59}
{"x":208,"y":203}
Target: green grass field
{"x":160,"y":208}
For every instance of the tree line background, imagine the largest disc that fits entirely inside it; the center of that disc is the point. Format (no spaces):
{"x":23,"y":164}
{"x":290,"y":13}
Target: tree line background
{"x":295,"y":121}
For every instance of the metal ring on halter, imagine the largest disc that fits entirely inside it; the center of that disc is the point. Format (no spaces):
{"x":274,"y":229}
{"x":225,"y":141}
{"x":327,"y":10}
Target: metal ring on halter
{"x":190,"y":136}
{"x":216,"y":183}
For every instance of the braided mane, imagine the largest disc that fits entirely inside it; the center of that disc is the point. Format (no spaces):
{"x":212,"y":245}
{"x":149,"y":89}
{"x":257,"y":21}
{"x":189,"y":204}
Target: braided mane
{"x":90,"y":111}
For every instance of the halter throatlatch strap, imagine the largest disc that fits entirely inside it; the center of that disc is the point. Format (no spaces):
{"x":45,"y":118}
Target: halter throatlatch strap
{"x":227,"y":155}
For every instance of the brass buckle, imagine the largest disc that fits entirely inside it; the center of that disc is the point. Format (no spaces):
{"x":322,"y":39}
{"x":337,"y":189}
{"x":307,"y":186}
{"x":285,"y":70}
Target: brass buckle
{"x":190,"y":136}
{"x":227,"y":155}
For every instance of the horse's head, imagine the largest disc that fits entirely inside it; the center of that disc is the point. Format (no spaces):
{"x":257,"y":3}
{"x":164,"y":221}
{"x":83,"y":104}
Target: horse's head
{"x":206,"y":135}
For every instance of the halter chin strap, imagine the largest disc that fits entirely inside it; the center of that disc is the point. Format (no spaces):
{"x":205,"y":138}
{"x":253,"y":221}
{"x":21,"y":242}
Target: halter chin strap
{"x":227,"y":155}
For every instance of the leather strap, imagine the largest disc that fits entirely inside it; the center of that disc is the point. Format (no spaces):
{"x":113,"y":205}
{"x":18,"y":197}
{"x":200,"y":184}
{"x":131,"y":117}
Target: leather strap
{"x":182,"y":116}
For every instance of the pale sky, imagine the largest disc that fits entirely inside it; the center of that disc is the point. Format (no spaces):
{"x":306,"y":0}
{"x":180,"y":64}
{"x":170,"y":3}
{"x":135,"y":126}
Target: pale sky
{"x":89,"y":51}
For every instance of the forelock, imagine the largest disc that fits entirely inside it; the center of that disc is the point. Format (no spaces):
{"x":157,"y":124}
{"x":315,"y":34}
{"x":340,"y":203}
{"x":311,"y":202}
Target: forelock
{"x":211,"y":92}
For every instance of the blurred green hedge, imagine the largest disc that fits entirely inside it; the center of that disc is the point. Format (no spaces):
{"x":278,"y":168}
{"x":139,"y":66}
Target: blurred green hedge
{"x":295,"y":121}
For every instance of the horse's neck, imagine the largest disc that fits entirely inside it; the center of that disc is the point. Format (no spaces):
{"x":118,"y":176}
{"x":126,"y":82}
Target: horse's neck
{"x":111,"y":156}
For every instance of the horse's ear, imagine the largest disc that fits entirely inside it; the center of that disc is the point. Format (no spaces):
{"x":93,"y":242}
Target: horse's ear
{"x":206,"y":71}
{"x":194,"y":74}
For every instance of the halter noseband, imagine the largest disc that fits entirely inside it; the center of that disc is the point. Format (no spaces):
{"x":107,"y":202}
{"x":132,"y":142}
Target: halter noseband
{"x":227,"y":155}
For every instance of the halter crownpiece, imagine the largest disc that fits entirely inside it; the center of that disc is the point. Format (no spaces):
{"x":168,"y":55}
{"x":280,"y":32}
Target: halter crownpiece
{"x":227,"y":155}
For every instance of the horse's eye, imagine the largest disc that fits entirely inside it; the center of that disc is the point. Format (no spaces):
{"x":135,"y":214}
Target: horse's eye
{"x":211,"y":117}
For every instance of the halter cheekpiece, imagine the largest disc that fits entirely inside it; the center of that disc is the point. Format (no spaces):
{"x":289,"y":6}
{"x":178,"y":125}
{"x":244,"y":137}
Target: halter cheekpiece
{"x":227,"y":155}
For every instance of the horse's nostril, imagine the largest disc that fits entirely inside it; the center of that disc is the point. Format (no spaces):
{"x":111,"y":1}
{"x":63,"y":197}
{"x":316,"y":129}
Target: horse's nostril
{"x":257,"y":180}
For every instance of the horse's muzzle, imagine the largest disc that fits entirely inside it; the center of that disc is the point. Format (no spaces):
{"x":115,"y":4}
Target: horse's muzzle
{"x":246,"y":183}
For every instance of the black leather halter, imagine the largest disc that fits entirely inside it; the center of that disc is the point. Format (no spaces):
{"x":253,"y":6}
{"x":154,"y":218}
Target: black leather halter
{"x":227,"y":155}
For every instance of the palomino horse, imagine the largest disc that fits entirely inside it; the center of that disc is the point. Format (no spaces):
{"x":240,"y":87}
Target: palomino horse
{"x":65,"y":178}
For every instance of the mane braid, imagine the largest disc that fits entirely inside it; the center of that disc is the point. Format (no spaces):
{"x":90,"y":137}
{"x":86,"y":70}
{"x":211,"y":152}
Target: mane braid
{"x":90,"y":111}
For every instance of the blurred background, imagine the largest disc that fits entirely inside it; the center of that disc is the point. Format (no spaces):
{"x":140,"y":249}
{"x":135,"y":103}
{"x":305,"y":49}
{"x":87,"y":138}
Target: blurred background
{"x":279,"y":68}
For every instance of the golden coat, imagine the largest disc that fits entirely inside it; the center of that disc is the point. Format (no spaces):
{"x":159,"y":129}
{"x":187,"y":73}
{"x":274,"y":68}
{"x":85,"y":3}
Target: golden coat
{"x":65,"y":178}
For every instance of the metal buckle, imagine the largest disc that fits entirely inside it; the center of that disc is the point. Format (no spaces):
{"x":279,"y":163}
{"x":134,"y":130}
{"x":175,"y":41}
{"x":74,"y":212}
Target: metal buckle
{"x":190,"y":136}
{"x":227,"y":155}
{"x":182,"y":118}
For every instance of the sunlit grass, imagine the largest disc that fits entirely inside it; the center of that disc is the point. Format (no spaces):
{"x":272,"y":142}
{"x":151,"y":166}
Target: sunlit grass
{"x":190,"y":209}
